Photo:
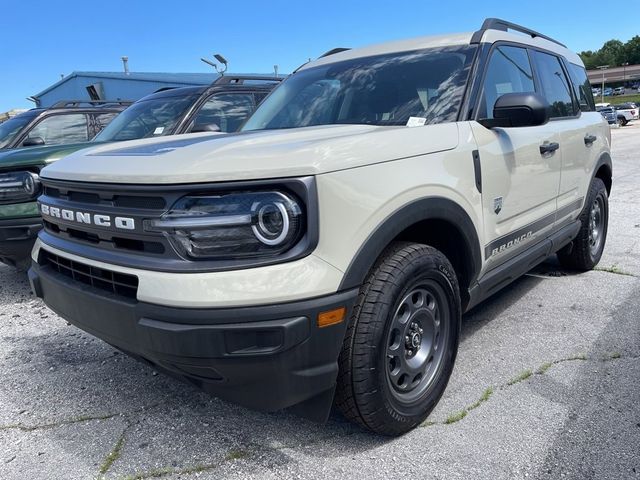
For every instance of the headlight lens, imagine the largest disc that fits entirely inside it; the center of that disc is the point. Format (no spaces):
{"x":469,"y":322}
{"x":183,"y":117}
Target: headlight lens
{"x":232,"y":225}
{"x":19,"y":187}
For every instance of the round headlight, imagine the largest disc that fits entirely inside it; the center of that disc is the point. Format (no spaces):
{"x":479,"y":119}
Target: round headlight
{"x":272,"y":226}
{"x":31,"y":183}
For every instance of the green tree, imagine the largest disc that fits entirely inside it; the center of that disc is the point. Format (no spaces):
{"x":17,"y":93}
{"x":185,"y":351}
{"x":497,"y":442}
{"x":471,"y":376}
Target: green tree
{"x":631,"y":51}
{"x":612,"y":53}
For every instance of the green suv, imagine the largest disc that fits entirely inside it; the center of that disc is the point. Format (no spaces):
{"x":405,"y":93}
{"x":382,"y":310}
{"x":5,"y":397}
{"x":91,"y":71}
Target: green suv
{"x":220,"y":107}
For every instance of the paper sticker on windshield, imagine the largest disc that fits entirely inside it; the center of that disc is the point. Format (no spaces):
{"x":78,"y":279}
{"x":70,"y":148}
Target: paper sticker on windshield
{"x":416,"y":121}
{"x":158,"y":131}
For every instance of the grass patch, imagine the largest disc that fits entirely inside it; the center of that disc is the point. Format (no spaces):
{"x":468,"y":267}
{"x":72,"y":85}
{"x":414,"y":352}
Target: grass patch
{"x":614,"y":269}
{"x":618,"y":99}
{"x":114,"y":454}
{"x":486,"y":395}
{"x":236,"y":455}
{"x":428,"y":423}
{"x":69,"y":421}
{"x":577,"y":356}
{"x":542,"y":369}
{"x":520,"y":377}
{"x":164,"y":471}
{"x":456,"y":417}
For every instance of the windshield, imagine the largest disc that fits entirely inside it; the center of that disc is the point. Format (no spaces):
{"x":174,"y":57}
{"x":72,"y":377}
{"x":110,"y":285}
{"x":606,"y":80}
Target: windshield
{"x":379,"y":90}
{"x":147,"y":118}
{"x":12,"y":127}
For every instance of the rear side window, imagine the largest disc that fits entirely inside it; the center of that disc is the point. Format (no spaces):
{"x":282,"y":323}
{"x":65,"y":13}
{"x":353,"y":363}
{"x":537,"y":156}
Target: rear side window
{"x":508,"y":71}
{"x":582,"y":87}
{"x":555,"y":86}
{"x":226,"y":110}
{"x":62,"y":129}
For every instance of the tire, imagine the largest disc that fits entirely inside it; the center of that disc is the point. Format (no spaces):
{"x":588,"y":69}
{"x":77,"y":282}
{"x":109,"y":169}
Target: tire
{"x":414,"y":284}
{"x":622,"y":121}
{"x":585,"y":251}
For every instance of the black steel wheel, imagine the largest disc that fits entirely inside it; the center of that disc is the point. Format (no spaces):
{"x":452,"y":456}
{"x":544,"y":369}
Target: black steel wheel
{"x":402,"y":340}
{"x":585,"y":251}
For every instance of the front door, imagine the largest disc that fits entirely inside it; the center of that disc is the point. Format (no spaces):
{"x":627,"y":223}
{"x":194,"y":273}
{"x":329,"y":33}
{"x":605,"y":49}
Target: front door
{"x":520,"y":166}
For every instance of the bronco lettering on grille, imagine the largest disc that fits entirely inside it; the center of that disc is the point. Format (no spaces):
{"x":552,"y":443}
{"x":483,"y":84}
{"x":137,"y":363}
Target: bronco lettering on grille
{"x":123,"y":223}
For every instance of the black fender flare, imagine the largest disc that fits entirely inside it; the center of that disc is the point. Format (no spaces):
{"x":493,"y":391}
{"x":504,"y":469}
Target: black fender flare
{"x":603,"y":160}
{"x":429,"y":208}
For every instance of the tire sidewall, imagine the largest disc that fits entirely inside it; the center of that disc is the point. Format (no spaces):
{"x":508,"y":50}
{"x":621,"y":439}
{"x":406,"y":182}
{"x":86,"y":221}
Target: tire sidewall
{"x":428,"y":268}
{"x":598,"y":190}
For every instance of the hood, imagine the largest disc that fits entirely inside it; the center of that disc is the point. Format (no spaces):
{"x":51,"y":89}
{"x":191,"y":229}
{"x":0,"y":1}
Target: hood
{"x":305,"y":151}
{"x":37,"y":156}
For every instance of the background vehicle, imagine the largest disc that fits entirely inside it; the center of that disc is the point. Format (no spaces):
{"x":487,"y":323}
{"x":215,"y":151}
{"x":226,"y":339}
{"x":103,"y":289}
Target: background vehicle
{"x":221,"y":107}
{"x":618,"y":91}
{"x":610,"y":115}
{"x":64,"y":123}
{"x":624,"y":115}
{"x":328,"y":251}
{"x":630,"y":108}
{"x":608,"y":92}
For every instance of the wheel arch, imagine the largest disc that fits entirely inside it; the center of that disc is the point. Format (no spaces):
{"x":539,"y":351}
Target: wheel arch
{"x":604,"y":171}
{"x":435,"y":221}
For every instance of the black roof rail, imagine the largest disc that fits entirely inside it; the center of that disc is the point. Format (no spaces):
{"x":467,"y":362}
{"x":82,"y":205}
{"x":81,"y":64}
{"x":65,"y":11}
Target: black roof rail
{"x":92,"y":103}
{"x":504,"y":26}
{"x":333,"y":51}
{"x":240,"y":79}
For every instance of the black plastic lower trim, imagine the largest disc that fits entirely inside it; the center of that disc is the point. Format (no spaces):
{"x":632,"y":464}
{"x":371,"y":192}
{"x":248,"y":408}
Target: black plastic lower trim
{"x":504,"y":274}
{"x":265,"y":357}
{"x":17,"y":237}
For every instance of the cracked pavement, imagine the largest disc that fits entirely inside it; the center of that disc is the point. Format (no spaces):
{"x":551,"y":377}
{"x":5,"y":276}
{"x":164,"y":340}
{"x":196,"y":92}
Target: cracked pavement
{"x":546,"y":385}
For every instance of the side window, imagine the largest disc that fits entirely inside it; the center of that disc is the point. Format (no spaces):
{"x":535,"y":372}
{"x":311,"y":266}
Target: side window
{"x":508,"y":71}
{"x":582,"y":87}
{"x":554,"y":84}
{"x":62,"y":129}
{"x":99,"y":121}
{"x":227,"y":110}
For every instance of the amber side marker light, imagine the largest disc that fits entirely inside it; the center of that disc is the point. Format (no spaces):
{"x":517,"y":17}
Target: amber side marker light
{"x":326,"y":319}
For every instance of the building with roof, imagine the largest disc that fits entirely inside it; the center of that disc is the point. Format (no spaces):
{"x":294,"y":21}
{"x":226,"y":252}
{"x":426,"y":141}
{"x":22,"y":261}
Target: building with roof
{"x":112,"y":86}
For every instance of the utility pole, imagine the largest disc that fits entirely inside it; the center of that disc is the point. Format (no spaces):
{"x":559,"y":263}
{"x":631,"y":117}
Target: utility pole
{"x":602,"y":68}
{"x":624,"y":74}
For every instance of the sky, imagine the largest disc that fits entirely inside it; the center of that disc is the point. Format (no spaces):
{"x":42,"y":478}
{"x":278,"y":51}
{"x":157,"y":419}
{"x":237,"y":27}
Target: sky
{"x":40,"y":40}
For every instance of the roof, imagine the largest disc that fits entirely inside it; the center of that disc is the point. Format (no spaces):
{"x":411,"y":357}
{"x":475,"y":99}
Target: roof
{"x":490,"y":35}
{"x":162,"y":77}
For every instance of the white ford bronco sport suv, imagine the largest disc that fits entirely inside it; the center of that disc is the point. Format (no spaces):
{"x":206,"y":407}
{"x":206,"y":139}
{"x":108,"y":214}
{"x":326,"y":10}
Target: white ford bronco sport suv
{"x":327,"y":251}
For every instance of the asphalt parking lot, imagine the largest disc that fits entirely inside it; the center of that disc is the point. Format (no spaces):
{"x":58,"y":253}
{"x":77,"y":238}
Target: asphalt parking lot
{"x":547,"y":385}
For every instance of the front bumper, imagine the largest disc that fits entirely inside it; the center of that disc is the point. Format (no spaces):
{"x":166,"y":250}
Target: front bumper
{"x":264,"y":357}
{"x":17,"y":237}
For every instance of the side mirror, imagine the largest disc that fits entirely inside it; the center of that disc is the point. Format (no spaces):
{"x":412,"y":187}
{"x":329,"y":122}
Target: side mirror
{"x":519,"y":110}
{"x":205,"y":127}
{"x":33,"y":142}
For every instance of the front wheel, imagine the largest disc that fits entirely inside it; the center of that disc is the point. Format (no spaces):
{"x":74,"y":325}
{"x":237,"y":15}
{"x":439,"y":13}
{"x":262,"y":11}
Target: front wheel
{"x":401,"y":344}
{"x":585,"y":251}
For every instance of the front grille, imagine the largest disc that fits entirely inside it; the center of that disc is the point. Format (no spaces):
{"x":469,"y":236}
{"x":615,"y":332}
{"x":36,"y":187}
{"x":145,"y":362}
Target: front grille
{"x":113,"y":282}
{"x":122,"y":201}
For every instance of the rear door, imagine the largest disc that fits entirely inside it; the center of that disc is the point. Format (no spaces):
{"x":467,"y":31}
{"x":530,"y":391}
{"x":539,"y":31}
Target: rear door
{"x":520,"y":180}
{"x":62,"y":129}
{"x":580,"y":128}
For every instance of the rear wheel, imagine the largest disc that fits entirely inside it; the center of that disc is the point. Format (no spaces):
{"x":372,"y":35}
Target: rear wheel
{"x":622,"y":121}
{"x":585,"y":251}
{"x":402,"y":341}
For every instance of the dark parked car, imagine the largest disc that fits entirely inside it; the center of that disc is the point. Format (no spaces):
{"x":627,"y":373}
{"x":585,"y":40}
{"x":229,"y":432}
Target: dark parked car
{"x":63,"y":123}
{"x":220,"y":107}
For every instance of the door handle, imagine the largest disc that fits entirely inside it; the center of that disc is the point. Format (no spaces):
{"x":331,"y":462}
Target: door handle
{"x":589,"y":139}
{"x":549,"y":147}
